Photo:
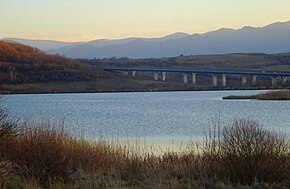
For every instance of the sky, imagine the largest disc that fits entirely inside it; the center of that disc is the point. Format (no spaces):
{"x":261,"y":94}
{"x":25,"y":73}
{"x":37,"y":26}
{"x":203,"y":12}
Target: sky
{"x":84,"y":20}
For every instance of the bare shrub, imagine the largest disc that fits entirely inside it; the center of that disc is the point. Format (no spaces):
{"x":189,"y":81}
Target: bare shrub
{"x":244,"y":152}
{"x":252,"y":153}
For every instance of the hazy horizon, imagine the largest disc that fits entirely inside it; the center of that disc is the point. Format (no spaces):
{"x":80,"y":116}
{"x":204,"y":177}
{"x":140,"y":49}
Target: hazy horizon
{"x":143,"y":36}
{"x":75,"y":20}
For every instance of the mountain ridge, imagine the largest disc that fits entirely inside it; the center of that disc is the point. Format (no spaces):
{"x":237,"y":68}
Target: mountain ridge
{"x":272,"y":38}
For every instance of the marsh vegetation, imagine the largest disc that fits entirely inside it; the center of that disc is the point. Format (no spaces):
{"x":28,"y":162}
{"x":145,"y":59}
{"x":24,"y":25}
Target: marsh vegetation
{"x":238,"y":155}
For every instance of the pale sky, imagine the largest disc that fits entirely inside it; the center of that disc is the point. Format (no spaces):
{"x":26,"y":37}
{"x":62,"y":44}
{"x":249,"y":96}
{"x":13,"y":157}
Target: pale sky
{"x":84,"y":20}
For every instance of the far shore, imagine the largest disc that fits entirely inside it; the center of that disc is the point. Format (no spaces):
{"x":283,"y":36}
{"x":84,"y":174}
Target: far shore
{"x":64,"y":91}
{"x":270,"y":95}
{"x":127,"y":91}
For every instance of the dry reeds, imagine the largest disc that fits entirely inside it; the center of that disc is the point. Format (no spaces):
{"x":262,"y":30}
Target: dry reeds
{"x":43,"y":155}
{"x":43,"y":152}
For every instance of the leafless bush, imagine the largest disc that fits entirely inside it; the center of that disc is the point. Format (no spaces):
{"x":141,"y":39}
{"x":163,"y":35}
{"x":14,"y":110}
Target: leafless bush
{"x":244,"y":152}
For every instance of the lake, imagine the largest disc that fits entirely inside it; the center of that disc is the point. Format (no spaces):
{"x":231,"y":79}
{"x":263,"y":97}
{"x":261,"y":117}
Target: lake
{"x":146,"y":114}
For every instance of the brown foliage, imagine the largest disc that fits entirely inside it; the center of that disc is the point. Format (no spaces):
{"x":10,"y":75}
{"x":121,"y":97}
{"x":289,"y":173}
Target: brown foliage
{"x":20,"y":63}
{"x":43,"y":152}
{"x":39,"y":154}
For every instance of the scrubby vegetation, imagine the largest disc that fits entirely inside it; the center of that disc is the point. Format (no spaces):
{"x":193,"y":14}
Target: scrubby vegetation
{"x":239,"y":155}
{"x":269,"y":95}
{"x":23,"y":64}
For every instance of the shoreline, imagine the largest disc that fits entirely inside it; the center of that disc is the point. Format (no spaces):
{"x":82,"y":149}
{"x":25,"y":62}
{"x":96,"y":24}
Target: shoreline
{"x":282,"y":94}
{"x":138,"y":91}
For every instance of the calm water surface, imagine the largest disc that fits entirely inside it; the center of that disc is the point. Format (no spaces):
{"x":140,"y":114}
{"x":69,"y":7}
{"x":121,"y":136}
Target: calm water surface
{"x":156,"y":114}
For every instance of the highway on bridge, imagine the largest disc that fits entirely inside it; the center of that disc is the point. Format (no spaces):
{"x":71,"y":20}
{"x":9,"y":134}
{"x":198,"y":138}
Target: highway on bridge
{"x":275,"y":76}
{"x":231,"y":72}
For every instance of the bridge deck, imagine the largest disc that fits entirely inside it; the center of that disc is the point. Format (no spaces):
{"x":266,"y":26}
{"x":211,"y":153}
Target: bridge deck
{"x":189,"y":71}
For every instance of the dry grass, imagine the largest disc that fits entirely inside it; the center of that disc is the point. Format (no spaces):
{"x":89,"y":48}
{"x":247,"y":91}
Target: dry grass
{"x":43,"y":152}
{"x":46,"y":156}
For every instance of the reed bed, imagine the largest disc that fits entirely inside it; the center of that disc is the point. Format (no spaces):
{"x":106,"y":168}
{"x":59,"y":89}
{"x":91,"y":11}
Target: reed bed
{"x":269,"y":95}
{"x":239,"y":155}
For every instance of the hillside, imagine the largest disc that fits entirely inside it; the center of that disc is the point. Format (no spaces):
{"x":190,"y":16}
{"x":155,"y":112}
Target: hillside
{"x":25,"y":69}
{"x":236,"y":61}
{"x":24,"y":64}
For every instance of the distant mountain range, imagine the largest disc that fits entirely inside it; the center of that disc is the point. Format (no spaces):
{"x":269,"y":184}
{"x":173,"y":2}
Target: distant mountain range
{"x":273,"y":38}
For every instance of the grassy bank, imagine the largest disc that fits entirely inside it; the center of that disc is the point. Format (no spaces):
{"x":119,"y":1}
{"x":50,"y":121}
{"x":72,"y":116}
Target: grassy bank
{"x":239,"y":155}
{"x":270,"y":95}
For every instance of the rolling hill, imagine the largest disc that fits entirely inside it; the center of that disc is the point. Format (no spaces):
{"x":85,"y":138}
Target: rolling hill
{"x":24,"y":69}
{"x":23,"y":64}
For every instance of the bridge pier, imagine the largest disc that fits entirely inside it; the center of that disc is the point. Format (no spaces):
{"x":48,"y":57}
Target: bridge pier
{"x":125,"y":73}
{"x":244,"y":79}
{"x":284,"y":80}
{"x":185,"y":76}
{"x":254,"y":79}
{"x":224,"y":83}
{"x":246,"y":76}
{"x":274,"y":81}
{"x":193,"y":78}
{"x":155,"y":76}
{"x":163,"y":76}
{"x":214,"y":80}
{"x":134,"y":73}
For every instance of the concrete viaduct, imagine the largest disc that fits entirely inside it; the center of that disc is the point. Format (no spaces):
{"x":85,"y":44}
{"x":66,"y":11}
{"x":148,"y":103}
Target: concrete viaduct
{"x":192,"y":73}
